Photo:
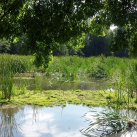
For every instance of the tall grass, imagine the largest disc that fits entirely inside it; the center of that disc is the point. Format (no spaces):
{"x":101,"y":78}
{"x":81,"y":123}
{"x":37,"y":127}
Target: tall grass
{"x":16,"y":63}
{"x":122,"y":71}
{"x":74,"y":67}
{"x":9,"y":65}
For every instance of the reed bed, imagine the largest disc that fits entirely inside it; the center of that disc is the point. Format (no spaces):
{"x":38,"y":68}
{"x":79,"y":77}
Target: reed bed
{"x":121,"y":71}
{"x":72,"y":67}
{"x":10,"y":65}
{"x":16,"y":63}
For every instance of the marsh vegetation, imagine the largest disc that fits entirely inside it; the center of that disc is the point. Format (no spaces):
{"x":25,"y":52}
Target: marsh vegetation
{"x":22,"y":83}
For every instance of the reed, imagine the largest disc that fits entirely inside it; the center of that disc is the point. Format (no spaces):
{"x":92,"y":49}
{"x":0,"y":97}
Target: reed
{"x":9,"y":66}
{"x":106,"y":122}
{"x":122,"y":71}
{"x":6,"y":78}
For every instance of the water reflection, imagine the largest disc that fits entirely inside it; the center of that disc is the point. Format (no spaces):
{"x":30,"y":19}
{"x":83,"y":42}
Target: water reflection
{"x":48,"y":83}
{"x":34,"y":121}
{"x":132,"y":133}
{"x":8,"y":123}
{"x":42,"y":121}
{"x":102,"y":131}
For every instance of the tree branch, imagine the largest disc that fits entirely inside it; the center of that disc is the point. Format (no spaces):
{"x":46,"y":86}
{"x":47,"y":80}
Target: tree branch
{"x":13,"y":7}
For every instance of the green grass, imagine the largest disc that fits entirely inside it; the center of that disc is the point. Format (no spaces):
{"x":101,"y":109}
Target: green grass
{"x":71,"y":67}
{"x":59,"y":97}
{"x":56,"y":98}
{"x":96,"y":67}
{"x":16,"y":63}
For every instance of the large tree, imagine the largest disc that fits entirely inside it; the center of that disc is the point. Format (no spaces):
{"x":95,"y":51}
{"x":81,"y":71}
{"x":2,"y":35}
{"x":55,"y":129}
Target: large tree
{"x":49,"y":23}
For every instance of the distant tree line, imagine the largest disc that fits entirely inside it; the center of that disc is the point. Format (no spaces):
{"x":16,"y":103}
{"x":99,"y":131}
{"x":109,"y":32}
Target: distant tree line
{"x":14,"y":47}
{"x":94,"y":46}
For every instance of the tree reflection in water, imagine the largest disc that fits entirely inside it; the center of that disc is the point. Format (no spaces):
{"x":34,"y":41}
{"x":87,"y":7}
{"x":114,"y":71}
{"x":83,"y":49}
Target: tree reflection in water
{"x":8,"y":120}
{"x":8,"y":123}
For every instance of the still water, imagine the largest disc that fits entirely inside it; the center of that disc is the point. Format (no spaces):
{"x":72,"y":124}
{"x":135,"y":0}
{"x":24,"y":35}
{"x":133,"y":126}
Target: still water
{"x":34,"y":121}
{"x":51,"y":83}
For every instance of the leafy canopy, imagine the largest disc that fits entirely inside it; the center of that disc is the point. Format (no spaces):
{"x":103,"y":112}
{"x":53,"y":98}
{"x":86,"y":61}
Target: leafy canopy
{"x":49,"y":23}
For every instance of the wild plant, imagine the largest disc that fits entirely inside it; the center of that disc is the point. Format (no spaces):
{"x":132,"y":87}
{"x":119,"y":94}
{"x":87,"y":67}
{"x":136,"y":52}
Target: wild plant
{"x":7,"y":79}
{"x":9,"y":66}
{"x":125,"y":80}
{"x":105,"y":122}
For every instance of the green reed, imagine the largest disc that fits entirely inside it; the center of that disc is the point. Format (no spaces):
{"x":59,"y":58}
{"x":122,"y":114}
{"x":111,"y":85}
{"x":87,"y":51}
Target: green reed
{"x":122,"y":71}
{"x":9,"y":66}
{"x":105,"y":122}
{"x":73,"y":67}
{"x":6,"y":77}
{"x":125,"y":81}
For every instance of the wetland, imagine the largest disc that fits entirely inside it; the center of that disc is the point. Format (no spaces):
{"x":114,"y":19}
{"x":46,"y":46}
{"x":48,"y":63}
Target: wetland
{"x":52,"y":102}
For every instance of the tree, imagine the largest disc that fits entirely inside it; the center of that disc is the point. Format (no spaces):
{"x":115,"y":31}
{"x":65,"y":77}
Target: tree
{"x":48,"y":24}
{"x":66,"y":50}
{"x":4,"y":47}
{"x":96,"y":46}
{"x":17,"y":47}
{"x":62,"y":51}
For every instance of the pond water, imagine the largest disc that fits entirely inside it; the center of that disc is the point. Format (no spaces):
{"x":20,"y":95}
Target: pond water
{"x":34,"y":121}
{"x":51,"y":83}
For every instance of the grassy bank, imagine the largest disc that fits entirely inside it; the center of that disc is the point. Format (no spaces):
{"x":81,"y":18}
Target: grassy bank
{"x":60,"y":98}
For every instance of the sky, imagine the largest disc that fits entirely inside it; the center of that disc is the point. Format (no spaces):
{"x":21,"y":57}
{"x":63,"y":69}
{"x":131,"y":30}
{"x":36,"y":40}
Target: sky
{"x":113,"y":27}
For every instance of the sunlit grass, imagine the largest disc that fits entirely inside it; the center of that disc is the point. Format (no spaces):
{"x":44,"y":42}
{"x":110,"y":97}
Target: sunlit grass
{"x":59,"y":97}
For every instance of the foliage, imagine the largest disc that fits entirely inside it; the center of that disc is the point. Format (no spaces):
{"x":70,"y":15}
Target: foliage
{"x":6,"y":78}
{"x":74,"y":67}
{"x":62,"y":51}
{"x":99,"y":69}
{"x":48,"y":24}
{"x":4,"y":47}
{"x":65,"y":50}
{"x":121,"y":71}
{"x":96,"y":46}
{"x":17,"y":64}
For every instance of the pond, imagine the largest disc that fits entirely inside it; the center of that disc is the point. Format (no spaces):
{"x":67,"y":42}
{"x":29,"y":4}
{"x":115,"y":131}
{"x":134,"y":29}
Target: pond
{"x":34,"y":121}
{"x":51,"y":83}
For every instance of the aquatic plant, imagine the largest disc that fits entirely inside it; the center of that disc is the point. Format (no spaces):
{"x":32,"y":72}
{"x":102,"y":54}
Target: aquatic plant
{"x":18,"y":64}
{"x":72,"y":68}
{"x":6,"y":78}
{"x":105,"y":122}
{"x":9,"y":65}
{"x":125,"y":81}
